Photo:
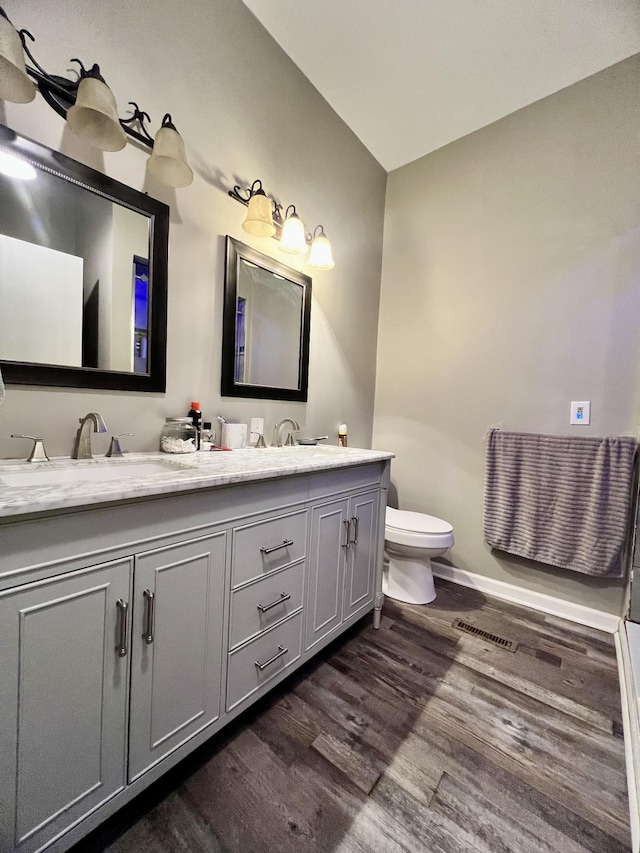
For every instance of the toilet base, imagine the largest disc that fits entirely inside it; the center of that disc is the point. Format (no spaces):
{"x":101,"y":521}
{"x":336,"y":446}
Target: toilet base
{"x":408,"y":580}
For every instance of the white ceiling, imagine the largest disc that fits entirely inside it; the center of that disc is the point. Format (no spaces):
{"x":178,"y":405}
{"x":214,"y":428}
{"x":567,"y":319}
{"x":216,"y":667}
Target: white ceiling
{"x":409,"y":76}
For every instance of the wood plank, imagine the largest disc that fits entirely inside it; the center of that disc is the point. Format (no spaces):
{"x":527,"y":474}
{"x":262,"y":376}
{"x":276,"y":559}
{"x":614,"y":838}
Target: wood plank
{"x":593,"y":795}
{"x":489,"y":827}
{"x":556,"y":826}
{"x":353,"y":762}
{"x":555,"y":684}
{"x":248,"y":793}
{"x":371,"y":826}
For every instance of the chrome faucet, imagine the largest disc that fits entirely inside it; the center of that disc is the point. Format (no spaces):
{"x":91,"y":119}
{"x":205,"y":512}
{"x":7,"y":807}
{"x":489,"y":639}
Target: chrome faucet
{"x":82,"y":446}
{"x":276,"y":441}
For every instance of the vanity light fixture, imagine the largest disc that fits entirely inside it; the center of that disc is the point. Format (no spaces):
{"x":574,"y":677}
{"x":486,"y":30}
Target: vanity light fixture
{"x":15,"y":85}
{"x":293,"y":238}
{"x":320,"y":257}
{"x":88,"y":105}
{"x":264,"y":219}
{"x":259,"y":218}
{"x":94,"y":115}
{"x":168,"y":161}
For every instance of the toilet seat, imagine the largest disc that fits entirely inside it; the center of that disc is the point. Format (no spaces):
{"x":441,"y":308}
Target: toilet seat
{"x":417,"y":530}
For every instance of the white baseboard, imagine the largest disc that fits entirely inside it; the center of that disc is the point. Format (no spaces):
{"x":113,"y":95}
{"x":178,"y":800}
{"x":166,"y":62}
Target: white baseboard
{"x":608,"y":622}
{"x":631,"y":729}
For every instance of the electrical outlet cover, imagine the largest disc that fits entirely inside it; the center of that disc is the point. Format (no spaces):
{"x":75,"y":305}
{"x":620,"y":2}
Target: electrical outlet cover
{"x":256,"y":428}
{"x":580,"y":412}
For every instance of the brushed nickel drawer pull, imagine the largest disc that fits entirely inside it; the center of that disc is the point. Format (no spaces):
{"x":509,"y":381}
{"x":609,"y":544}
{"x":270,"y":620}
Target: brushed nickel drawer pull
{"x":284,"y":544}
{"x":150,"y":602}
{"x":347,"y":525}
{"x":122,"y":607}
{"x":281,"y":651}
{"x":355,"y":520}
{"x":284,"y":596}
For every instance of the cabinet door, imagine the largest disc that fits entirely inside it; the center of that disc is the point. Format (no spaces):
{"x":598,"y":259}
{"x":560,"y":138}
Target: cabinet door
{"x":63,"y":689}
{"x":362,"y":552}
{"x":325,"y":590}
{"x":176,"y":647}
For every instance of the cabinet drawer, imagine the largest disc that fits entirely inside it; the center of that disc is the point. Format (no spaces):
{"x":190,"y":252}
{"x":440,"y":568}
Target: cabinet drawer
{"x":261,"y":604}
{"x":259,"y":661}
{"x":265,"y":546}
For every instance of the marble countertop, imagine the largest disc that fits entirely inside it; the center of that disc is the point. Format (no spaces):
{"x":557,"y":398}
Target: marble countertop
{"x":64,"y":483}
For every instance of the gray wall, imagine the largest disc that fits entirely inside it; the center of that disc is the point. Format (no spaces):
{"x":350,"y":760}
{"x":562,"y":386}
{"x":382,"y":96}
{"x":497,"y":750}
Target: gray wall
{"x":245,"y":111}
{"x":510,"y":287}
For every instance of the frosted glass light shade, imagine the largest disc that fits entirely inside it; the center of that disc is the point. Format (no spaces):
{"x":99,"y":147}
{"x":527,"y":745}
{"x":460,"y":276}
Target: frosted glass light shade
{"x":168,"y":161}
{"x":259,"y":219}
{"x":15,"y":85}
{"x":293,"y":238}
{"x":94,"y":116}
{"x":320,"y":257}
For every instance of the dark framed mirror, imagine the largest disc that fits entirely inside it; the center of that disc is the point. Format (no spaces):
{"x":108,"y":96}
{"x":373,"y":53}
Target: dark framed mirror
{"x":266,"y":325}
{"x":83,"y":274}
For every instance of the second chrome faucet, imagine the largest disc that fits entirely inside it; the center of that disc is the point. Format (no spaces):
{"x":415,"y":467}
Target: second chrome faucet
{"x":82,"y":445}
{"x":276,"y":441}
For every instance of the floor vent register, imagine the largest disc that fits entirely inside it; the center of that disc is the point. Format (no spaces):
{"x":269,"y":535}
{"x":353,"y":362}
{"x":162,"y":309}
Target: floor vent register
{"x":502,"y":642}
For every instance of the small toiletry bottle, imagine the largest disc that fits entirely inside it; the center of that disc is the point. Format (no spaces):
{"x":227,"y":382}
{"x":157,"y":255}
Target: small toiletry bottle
{"x":206,"y":436}
{"x":342,"y":435}
{"x":196,"y":416}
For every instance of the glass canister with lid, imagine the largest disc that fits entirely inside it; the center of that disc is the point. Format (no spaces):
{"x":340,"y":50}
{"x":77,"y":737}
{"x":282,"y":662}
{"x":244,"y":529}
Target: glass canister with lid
{"x":178,"y":435}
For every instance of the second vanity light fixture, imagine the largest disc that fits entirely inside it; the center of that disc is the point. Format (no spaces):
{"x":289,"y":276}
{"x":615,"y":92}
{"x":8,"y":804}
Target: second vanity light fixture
{"x":89,"y":107}
{"x":265,"y":219}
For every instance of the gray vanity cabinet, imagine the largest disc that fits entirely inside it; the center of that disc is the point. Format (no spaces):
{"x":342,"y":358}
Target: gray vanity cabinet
{"x":63,"y":700}
{"x":343,"y":554}
{"x":176,"y":647}
{"x":131,"y":633}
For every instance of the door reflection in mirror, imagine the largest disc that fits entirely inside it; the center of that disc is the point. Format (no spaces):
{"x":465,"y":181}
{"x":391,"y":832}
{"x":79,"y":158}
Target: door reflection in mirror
{"x":140,"y":314}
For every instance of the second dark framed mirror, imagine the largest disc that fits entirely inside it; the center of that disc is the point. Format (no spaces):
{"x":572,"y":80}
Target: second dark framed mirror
{"x":267,"y":318}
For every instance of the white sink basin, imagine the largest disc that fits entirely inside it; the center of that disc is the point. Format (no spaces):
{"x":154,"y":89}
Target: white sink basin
{"x":79,"y":472}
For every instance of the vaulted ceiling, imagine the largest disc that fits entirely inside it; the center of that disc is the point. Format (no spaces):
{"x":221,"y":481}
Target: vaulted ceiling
{"x":409,"y":76}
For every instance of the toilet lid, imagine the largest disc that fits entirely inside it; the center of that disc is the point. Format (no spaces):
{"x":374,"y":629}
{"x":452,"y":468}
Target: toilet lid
{"x":415,"y":522}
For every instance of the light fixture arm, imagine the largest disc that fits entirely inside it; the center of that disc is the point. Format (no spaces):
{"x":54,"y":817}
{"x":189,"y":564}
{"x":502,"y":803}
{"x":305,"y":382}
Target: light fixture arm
{"x":318,"y":231}
{"x":139,"y":116}
{"x":244,"y":195}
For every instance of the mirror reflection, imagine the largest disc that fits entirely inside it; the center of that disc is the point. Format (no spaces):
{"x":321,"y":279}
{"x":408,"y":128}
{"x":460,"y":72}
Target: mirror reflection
{"x":83,"y":274}
{"x":266,"y":327}
{"x":268,"y":323}
{"x":74,"y":276}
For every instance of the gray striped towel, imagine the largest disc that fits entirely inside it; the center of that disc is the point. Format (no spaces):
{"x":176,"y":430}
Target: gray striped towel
{"x":561,"y":500}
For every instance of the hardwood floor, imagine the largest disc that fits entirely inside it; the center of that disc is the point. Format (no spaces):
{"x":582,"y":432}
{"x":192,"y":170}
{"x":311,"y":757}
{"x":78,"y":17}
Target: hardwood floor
{"x":416,"y":737}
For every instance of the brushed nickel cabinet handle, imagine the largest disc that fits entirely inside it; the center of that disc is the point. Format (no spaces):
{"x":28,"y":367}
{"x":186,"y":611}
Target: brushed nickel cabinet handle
{"x":281,"y":651}
{"x":284,"y":596}
{"x":355,"y":520}
{"x":149,"y":613}
{"x":284,"y":544}
{"x":347,"y":526}
{"x":122,"y":607}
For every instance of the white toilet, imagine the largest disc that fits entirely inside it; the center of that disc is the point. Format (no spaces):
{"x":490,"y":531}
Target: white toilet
{"x":411,"y":540}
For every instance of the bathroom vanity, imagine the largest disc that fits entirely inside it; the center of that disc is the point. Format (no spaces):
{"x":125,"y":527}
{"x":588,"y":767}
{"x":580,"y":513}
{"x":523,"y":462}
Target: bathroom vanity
{"x":145,"y":602}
